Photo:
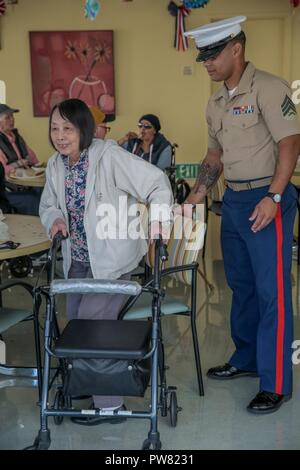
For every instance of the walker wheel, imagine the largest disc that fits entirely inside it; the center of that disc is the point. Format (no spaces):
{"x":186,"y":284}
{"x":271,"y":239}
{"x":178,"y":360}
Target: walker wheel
{"x":164,"y":402}
{"x":59,"y":403}
{"x":173,"y":409}
{"x":20,"y":267}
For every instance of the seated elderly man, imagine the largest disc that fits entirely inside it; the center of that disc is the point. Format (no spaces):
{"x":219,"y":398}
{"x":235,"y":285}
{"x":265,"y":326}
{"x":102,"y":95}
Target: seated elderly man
{"x":15,"y":153}
{"x":101,"y":128}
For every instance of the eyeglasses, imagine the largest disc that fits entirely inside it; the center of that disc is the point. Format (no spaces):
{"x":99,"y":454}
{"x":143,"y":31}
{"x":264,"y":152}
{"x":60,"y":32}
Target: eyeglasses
{"x":144,"y":126}
{"x":107,"y":128}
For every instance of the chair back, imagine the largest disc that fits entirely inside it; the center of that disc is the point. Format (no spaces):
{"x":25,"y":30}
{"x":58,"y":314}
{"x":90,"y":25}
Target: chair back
{"x":186,"y":241}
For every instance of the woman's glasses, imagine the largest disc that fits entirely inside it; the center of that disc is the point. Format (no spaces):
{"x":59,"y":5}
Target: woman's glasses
{"x":144,"y":126}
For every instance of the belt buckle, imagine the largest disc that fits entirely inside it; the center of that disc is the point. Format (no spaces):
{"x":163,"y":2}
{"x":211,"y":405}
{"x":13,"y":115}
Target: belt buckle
{"x":249,"y":186}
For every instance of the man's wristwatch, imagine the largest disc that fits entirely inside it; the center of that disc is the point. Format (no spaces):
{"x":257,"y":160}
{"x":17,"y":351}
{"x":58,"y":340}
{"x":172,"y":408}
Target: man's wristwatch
{"x":275,"y":197}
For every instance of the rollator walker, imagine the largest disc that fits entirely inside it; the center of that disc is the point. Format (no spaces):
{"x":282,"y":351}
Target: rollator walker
{"x":104,"y":357}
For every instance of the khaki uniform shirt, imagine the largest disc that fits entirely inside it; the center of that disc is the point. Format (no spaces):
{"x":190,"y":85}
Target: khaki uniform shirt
{"x":248,"y":126}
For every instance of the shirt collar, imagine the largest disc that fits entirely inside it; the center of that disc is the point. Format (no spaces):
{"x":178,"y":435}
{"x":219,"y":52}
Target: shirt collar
{"x":244,"y":85}
{"x":10,"y":135}
{"x":82,"y":158}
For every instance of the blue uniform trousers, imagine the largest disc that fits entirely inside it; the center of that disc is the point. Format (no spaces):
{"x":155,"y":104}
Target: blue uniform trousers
{"x":258,"y":270}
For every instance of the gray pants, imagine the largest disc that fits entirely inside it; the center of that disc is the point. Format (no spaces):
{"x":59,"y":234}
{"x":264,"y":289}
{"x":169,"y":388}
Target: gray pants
{"x":95,"y":307}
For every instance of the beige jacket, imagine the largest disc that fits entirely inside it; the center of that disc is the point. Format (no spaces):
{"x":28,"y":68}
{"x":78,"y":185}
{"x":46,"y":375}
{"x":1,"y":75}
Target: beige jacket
{"x":112,"y":172}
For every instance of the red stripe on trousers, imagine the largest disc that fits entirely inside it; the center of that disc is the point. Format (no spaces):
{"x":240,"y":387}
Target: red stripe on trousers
{"x":280,"y":305}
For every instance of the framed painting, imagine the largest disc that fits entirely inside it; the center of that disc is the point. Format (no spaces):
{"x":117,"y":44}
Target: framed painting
{"x":72,"y":64}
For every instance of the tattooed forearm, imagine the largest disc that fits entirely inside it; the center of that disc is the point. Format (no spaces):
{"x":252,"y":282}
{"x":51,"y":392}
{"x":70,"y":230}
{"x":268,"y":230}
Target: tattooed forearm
{"x":208,"y":176}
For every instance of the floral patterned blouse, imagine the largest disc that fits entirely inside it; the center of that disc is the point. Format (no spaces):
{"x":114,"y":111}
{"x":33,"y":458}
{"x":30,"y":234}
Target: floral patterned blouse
{"x":75,"y":183}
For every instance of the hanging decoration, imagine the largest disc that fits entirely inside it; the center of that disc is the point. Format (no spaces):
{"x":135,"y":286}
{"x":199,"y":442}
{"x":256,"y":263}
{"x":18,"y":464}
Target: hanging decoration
{"x":91,"y":9}
{"x":295,"y":3}
{"x":2,"y":7}
{"x":195,"y":3}
{"x":180,"y":12}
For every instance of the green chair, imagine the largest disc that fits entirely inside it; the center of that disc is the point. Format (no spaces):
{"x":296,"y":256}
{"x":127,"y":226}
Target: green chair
{"x":185,"y":243}
{"x":10,"y":317}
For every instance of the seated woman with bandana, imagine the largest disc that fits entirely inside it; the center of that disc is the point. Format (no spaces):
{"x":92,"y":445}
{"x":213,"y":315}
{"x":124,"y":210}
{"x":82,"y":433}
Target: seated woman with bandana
{"x":149,"y":144}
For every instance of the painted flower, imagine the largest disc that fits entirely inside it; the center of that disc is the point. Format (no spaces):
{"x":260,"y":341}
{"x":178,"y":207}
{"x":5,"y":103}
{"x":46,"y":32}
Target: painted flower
{"x":85,"y":52}
{"x":102,"y":53}
{"x":71,"y":50}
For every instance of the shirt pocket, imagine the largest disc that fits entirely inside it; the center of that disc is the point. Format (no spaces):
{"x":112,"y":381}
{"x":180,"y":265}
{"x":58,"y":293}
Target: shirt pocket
{"x":245,"y":121}
{"x":245,"y":131}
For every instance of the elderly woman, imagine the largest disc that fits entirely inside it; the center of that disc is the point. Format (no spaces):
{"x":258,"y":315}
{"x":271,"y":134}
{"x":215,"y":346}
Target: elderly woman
{"x":150,"y":144}
{"x":84,"y":181}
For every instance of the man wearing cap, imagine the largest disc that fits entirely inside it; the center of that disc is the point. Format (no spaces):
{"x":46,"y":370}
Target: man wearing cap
{"x":15,"y":153}
{"x":101,"y":129}
{"x":254,"y":136}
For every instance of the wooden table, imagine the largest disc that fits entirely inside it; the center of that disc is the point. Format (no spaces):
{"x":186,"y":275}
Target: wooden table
{"x":29,"y":232}
{"x":28,"y":178}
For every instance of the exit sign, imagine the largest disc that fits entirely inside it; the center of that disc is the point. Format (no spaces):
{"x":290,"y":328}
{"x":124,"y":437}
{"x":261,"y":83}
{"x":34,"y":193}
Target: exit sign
{"x":187,"y":170}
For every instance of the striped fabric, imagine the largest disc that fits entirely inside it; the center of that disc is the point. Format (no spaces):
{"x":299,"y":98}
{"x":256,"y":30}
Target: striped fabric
{"x":186,"y":241}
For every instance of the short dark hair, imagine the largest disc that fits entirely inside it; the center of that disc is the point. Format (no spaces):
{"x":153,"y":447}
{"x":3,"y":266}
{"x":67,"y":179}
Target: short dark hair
{"x":241,"y":38}
{"x":78,"y":113}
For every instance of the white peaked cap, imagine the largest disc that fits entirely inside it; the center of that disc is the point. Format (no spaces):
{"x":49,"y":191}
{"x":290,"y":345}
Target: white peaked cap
{"x":217,"y":31}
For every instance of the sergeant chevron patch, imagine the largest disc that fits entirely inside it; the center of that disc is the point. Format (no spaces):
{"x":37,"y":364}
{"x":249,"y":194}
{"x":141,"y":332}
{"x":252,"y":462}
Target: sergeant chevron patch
{"x":288,"y":108}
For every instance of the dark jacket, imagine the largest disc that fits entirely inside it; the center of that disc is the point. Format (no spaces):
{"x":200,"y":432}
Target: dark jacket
{"x":159,"y":144}
{"x":4,"y":204}
{"x":8,"y":149}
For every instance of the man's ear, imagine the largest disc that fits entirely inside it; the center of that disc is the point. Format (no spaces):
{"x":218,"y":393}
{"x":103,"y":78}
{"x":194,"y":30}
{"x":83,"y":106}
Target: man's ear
{"x":237,"y":49}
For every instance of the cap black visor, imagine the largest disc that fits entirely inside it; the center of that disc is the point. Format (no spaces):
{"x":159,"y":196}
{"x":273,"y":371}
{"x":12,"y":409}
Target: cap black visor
{"x":213,"y":50}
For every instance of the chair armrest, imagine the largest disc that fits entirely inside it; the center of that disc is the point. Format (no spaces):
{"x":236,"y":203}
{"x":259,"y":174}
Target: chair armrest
{"x":177,"y":269}
{"x":132,"y":300}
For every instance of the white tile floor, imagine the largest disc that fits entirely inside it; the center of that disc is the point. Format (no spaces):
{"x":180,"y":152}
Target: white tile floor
{"x":217,"y":421}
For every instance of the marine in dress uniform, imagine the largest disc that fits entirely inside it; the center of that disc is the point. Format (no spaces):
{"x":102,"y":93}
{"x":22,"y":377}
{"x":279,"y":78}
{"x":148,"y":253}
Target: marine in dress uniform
{"x":254,"y":137}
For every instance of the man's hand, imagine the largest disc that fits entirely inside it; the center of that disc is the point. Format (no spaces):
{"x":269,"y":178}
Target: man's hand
{"x":129,"y":135}
{"x":132,"y":135}
{"x":59,"y":225}
{"x":263,"y":214}
{"x":23,"y":163}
